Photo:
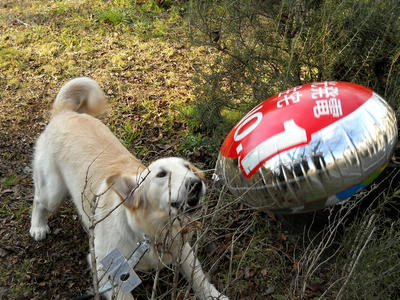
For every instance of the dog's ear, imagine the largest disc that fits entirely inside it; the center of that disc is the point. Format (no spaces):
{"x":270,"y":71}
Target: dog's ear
{"x":125,"y":187}
{"x":197,"y":171}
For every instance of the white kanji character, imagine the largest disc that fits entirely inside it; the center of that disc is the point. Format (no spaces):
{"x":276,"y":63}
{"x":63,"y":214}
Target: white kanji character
{"x":285,"y":99}
{"x":294,"y":98}
{"x":321,"y":108}
{"x":335,"y":107}
{"x":324,"y":92}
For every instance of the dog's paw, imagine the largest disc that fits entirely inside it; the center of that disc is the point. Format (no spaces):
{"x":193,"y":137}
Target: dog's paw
{"x":219,"y":297}
{"x":39,"y":233}
{"x":213,"y":294}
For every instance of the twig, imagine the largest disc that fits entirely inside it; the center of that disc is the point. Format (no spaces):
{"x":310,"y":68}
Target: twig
{"x":310,"y":260}
{"x":22,"y":22}
{"x":93,"y":261}
{"x":339,"y":296}
{"x":120,"y":203}
{"x":154,"y":290}
{"x":92,"y":253}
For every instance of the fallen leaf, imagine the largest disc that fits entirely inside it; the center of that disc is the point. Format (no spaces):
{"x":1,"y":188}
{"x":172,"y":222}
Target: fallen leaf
{"x":211,"y":248}
{"x":315,"y":286}
{"x":3,"y":253}
{"x":264,"y":272}
{"x":269,"y":291}
{"x":196,"y":153}
{"x":6,"y":191}
{"x":296,"y":266}
{"x":248,"y":272}
{"x":190,"y":226}
{"x":272,"y":216}
{"x":291,"y":249}
{"x":282,"y":236}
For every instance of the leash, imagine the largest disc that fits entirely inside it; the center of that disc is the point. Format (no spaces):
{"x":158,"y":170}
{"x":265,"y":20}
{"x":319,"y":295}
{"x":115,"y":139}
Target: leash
{"x":121,"y":271}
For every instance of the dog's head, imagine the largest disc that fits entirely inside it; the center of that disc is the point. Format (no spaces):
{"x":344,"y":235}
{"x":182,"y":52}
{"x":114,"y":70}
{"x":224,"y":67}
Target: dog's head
{"x":169,"y":186}
{"x":173,"y":185}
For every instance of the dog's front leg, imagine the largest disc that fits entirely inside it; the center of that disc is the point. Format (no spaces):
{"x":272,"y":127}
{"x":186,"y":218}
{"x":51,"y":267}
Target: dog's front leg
{"x":193,"y":272}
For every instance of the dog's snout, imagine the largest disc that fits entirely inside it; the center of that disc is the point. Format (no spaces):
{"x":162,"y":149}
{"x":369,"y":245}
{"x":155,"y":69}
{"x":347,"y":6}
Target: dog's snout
{"x":194,"y":187}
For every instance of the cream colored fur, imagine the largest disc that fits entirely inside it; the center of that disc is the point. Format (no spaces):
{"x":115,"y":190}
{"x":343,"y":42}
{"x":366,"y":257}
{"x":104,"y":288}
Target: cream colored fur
{"x":77,"y":155}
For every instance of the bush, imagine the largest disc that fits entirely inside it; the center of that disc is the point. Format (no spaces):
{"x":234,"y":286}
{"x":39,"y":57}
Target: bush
{"x":264,"y":47}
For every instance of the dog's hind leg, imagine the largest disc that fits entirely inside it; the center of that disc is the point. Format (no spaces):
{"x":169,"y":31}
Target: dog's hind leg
{"x":50,"y":191}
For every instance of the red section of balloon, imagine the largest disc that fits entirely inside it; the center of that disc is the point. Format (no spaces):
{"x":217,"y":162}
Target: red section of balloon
{"x":288,"y":120}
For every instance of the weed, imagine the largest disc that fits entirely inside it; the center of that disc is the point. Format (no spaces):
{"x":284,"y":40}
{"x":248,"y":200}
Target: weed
{"x":199,"y":145}
{"x":146,"y":18}
{"x":369,"y":260}
{"x":127,"y":135}
{"x":113,"y":15}
{"x":10,"y":181}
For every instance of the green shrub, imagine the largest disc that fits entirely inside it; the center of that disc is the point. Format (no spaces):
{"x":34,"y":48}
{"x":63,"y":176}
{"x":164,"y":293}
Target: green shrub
{"x":263,"y":47}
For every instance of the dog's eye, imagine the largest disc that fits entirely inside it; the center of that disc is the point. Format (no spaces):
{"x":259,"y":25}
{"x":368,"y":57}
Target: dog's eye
{"x":161,"y":174}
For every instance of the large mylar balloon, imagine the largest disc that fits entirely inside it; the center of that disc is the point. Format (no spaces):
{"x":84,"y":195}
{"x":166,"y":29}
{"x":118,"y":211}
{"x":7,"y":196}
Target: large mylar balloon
{"x":308,"y":147}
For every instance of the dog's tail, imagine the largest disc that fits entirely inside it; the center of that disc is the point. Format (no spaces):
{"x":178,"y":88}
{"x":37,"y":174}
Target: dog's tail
{"x":82,"y":95}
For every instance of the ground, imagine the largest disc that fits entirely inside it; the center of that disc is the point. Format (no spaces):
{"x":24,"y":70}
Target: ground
{"x":142,"y":58}
{"x":43,"y":44}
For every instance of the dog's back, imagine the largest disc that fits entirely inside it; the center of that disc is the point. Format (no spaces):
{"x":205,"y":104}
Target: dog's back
{"x":76,"y":151}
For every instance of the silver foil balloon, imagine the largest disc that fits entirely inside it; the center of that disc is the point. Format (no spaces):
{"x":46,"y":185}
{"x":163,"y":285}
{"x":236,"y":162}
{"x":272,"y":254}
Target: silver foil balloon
{"x":308,"y":147}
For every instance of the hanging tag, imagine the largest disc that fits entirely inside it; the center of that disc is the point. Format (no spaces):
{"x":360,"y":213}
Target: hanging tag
{"x":119,"y":272}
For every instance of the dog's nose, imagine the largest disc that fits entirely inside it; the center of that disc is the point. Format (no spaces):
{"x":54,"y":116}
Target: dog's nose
{"x":194,"y":187}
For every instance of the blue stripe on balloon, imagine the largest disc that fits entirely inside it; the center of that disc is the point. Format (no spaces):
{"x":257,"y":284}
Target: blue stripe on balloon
{"x":350,"y":192}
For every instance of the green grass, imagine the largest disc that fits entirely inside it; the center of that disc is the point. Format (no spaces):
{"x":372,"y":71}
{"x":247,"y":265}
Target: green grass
{"x":147,"y":19}
{"x":9,"y":181}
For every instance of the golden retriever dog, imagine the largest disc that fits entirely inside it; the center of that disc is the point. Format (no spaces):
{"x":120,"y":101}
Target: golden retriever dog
{"x":77,"y":155}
